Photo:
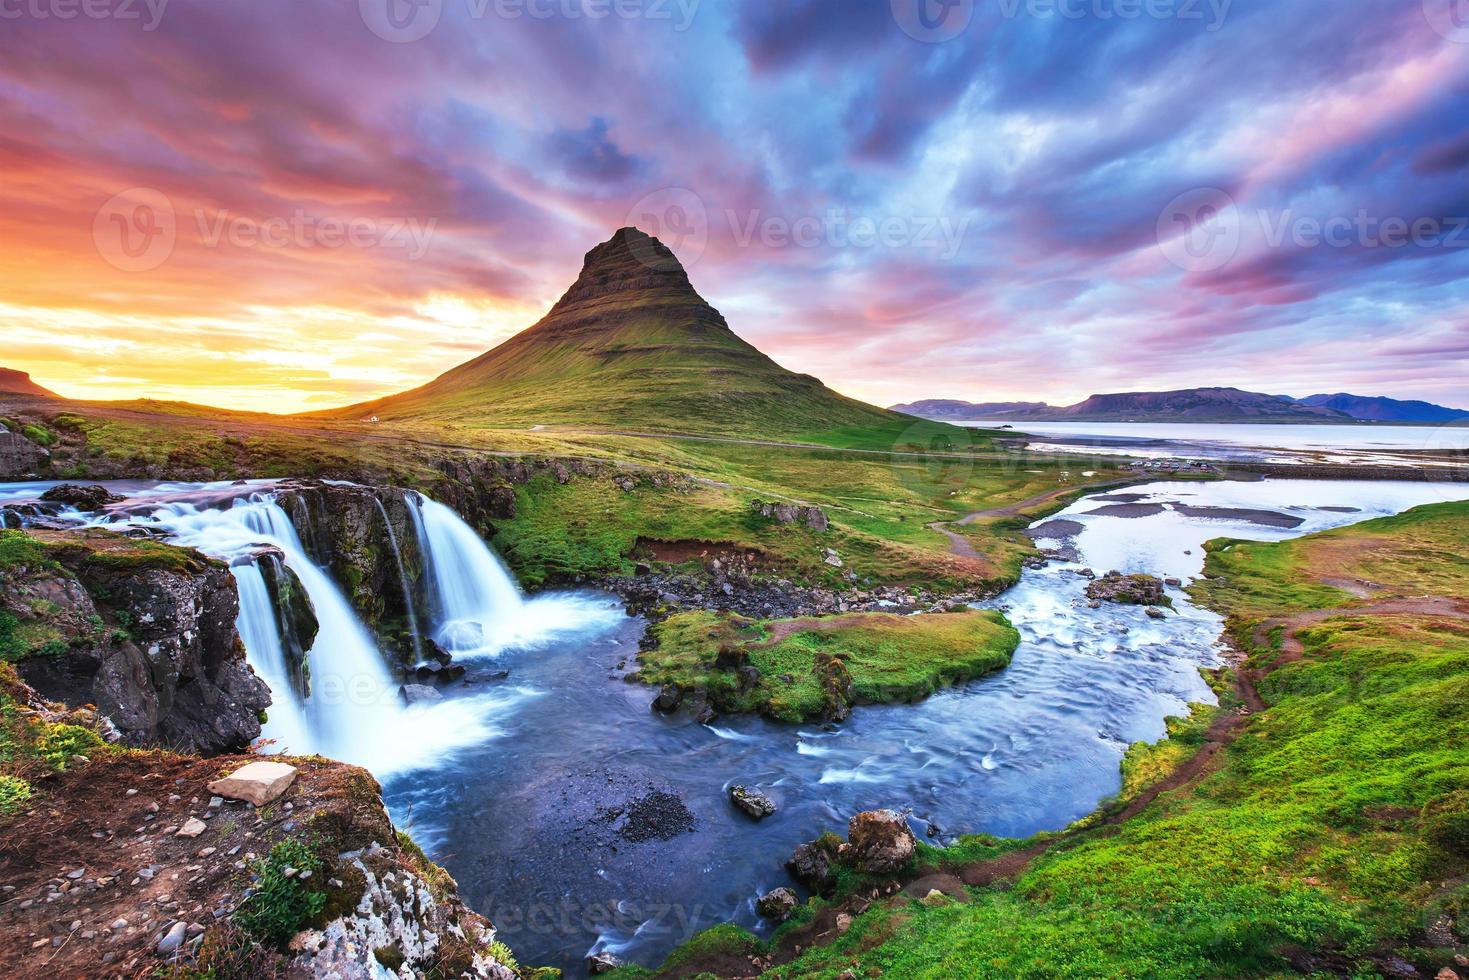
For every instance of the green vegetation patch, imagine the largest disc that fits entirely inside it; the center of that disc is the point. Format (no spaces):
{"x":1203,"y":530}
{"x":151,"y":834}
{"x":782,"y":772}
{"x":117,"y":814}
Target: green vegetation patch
{"x":282,"y":903}
{"x":874,"y":657}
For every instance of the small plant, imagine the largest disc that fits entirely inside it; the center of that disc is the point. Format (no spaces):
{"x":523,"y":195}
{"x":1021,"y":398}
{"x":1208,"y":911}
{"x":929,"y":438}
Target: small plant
{"x":58,"y":744}
{"x":282,"y":903}
{"x":501,"y":954}
{"x":14,"y":792}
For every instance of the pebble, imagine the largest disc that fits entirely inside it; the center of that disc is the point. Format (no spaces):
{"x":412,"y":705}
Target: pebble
{"x":215,"y":802}
{"x":192,"y":827}
{"x":131,"y":792}
{"x":118,"y":925}
{"x":77,"y":873}
{"x":204,"y":852}
{"x":75,"y":925}
{"x":172,"y":939}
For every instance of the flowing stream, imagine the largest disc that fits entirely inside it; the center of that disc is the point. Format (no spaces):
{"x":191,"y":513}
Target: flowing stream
{"x":578,"y":820}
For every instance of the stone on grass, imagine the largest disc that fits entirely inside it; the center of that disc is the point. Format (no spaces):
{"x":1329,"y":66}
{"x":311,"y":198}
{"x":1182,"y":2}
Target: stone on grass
{"x":257,"y":783}
{"x":602,"y":963}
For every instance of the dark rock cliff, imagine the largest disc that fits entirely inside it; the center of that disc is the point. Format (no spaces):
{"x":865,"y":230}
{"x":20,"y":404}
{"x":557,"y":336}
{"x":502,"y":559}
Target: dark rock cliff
{"x":142,"y":630}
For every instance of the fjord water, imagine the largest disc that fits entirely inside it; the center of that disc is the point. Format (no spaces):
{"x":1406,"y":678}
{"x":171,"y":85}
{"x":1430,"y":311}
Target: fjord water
{"x":526,"y":788}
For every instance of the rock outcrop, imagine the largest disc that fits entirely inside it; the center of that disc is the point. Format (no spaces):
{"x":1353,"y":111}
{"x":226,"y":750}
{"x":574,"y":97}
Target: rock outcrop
{"x":360,"y":534}
{"x":1129,"y":590}
{"x":143,"y":630}
{"x":316,"y":884}
{"x":784,"y":513}
{"x":19,"y":457}
{"x":881,"y":841}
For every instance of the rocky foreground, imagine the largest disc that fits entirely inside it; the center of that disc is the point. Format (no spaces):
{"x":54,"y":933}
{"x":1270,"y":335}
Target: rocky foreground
{"x":124,"y":863}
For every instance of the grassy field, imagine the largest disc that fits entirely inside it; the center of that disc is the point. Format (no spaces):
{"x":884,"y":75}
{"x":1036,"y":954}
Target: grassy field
{"x":808,"y":668}
{"x":881,"y":485}
{"x":1330,"y":834}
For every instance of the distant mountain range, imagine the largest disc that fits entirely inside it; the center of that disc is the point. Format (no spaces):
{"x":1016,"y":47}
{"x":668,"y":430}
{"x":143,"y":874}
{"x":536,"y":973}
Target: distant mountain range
{"x":14,"y":382}
{"x":1379,"y":409}
{"x":1194,"y":405}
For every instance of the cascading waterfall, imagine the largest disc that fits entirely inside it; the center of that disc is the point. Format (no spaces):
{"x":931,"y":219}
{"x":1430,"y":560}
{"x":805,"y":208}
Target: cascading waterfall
{"x":475,"y":605}
{"x":354,"y":711}
{"x":403,"y":580}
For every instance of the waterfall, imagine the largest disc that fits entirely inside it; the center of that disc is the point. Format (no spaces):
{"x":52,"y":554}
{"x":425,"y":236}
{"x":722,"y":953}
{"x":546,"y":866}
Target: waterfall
{"x":353,"y":710}
{"x":403,"y":581}
{"x":474,"y":603}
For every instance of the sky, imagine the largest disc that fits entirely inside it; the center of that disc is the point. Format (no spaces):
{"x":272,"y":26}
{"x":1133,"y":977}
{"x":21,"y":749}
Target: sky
{"x":293,"y":204}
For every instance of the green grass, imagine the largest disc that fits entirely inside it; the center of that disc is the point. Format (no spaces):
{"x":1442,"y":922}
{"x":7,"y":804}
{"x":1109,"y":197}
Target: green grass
{"x":1336,"y":824}
{"x":884,"y":658}
{"x":280,"y":906}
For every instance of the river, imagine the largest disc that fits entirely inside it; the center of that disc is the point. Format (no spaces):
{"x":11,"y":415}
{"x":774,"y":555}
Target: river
{"x":579,"y":820}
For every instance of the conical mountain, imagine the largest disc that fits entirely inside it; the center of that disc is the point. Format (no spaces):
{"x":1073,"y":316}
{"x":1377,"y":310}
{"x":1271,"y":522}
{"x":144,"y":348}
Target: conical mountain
{"x":631,"y":345}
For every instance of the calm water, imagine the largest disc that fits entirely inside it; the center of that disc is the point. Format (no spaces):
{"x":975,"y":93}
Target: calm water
{"x":1269,"y":442}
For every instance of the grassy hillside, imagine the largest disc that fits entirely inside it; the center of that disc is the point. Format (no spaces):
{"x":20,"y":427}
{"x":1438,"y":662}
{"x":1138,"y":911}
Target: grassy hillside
{"x":1328,"y":834}
{"x":630,"y":345}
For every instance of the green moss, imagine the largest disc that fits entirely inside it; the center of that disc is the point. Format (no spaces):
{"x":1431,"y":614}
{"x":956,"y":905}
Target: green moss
{"x":38,"y":434}
{"x":15,"y":794}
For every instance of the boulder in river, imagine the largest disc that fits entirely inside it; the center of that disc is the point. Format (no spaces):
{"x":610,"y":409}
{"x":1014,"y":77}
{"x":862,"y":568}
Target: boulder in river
{"x":419,"y":694}
{"x":1129,"y":590}
{"x":754,"y":803}
{"x":777,"y":905}
{"x":881,"y":841}
{"x":80,"y":497}
{"x":668,"y":699}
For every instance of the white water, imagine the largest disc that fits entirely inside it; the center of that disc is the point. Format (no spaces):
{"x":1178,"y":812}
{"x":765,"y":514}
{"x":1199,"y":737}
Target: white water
{"x":354,"y":711}
{"x":470,"y":591}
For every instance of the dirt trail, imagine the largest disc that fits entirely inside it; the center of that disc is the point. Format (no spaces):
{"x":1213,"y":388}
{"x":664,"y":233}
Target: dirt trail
{"x":1291,"y":648}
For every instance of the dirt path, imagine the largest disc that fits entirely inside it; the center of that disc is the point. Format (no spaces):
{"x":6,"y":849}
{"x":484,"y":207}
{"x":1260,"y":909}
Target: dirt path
{"x":1291,"y":648}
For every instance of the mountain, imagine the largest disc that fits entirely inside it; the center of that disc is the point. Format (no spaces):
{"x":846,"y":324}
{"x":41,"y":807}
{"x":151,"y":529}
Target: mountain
{"x":1377,"y":409}
{"x":14,"y":382}
{"x":1184,"y":405}
{"x":949,"y":410}
{"x":632,"y":346}
{"x":1196,"y":405}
